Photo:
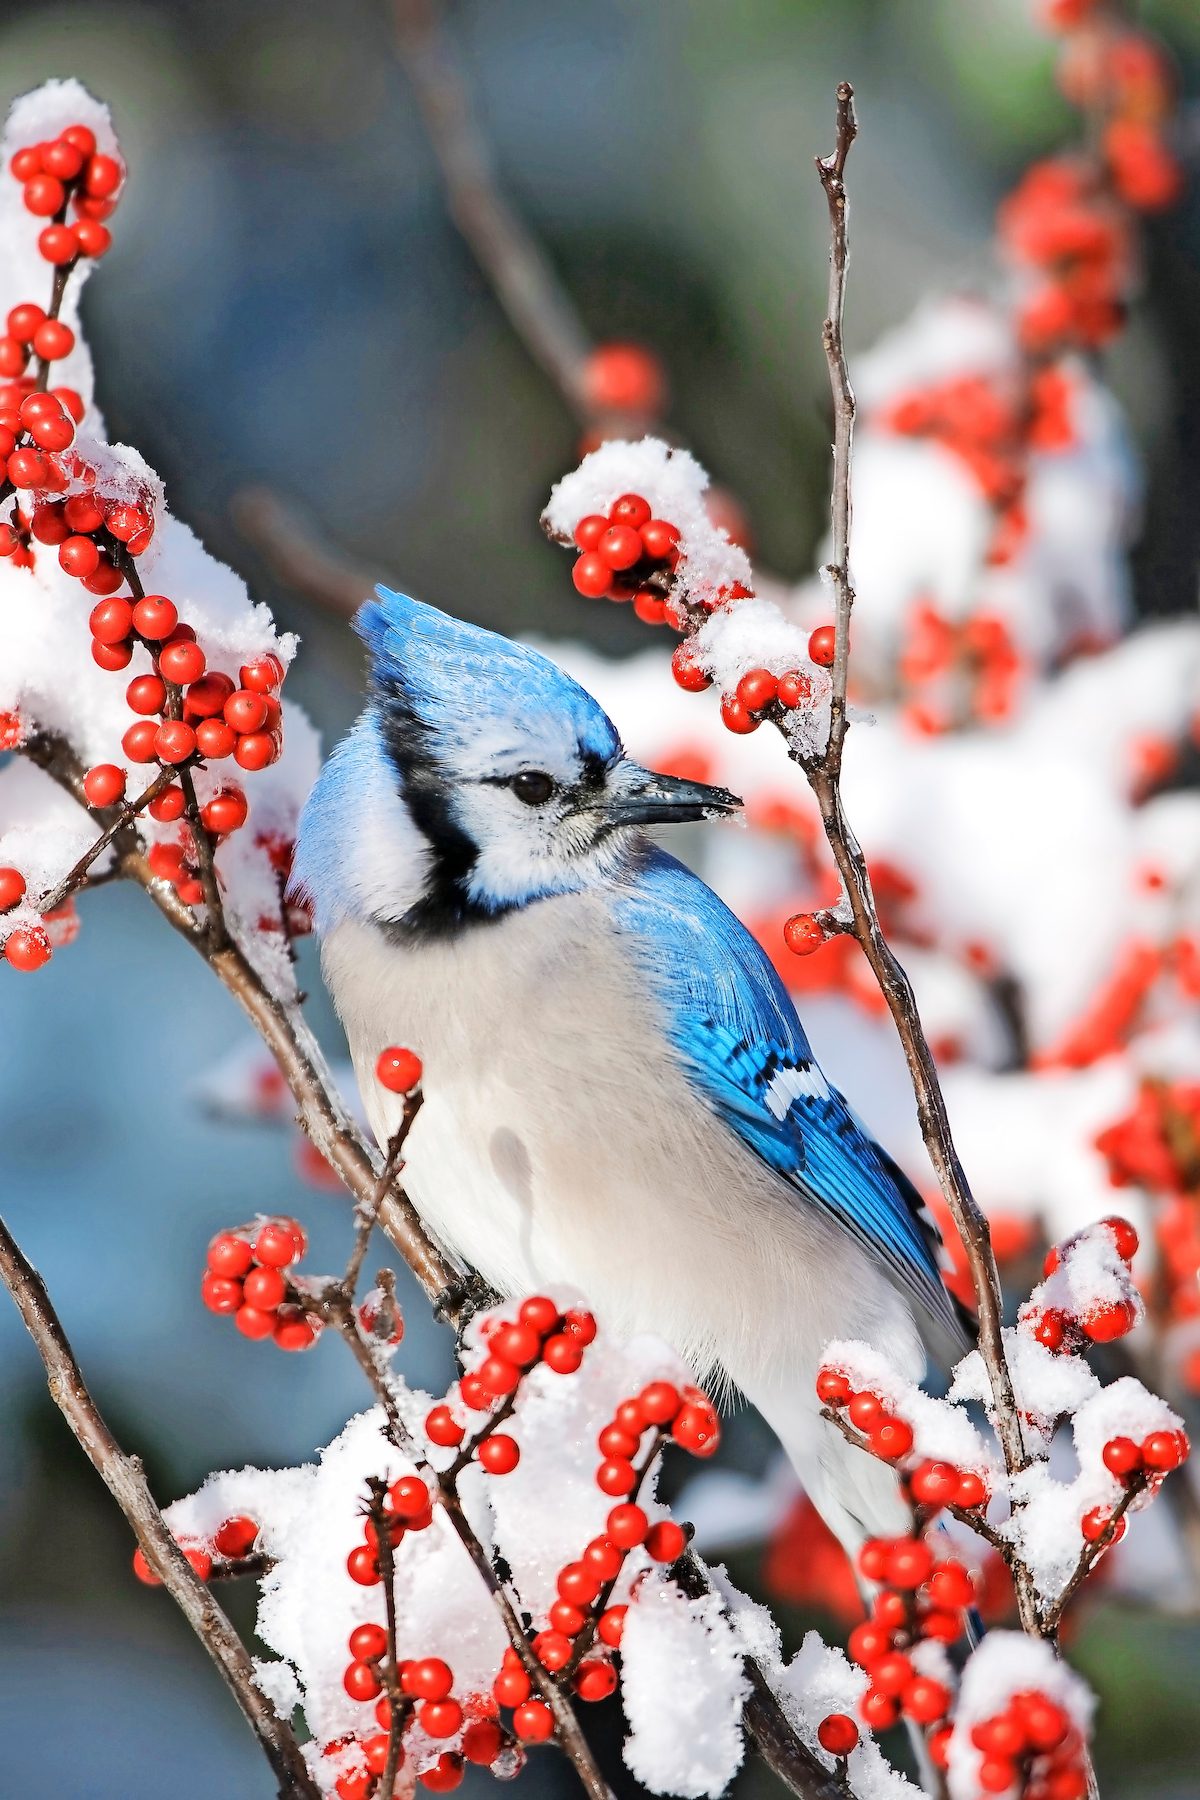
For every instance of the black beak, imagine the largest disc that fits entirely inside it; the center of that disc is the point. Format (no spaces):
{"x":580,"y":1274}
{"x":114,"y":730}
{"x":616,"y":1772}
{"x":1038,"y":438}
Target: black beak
{"x":644,"y":798}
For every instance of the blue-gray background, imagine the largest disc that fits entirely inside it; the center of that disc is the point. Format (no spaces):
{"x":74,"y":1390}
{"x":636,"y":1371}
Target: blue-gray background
{"x":286,"y":303}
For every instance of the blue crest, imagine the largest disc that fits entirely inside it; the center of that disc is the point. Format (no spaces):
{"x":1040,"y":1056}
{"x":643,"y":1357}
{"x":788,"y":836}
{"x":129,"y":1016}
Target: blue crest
{"x":473,"y":700}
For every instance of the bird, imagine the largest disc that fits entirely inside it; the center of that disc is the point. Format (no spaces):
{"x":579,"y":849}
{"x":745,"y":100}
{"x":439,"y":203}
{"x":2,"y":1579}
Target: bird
{"x":618,"y":1093}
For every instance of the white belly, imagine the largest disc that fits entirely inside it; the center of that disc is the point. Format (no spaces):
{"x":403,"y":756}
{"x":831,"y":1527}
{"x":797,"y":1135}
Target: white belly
{"x":559,"y":1143}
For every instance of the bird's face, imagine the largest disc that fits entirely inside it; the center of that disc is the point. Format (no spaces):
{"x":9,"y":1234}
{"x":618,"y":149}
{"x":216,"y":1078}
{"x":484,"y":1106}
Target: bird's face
{"x":541,"y":811}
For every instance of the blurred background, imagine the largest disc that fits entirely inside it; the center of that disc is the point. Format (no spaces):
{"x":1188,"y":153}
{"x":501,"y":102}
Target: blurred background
{"x":287,"y":304}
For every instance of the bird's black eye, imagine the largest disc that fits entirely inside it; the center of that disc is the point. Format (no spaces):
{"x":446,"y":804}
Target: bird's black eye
{"x":533,"y":786}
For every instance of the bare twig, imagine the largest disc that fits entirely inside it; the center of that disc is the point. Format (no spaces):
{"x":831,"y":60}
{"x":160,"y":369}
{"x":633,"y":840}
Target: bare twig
{"x":368,"y":1212}
{"x":824,"y":775}
{"x":297,"y":556}
{"x":123,"y":1476}
{"x":537,"y":305}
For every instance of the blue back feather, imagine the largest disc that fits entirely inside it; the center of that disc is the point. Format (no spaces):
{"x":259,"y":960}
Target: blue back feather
{"x":738,"y":1035}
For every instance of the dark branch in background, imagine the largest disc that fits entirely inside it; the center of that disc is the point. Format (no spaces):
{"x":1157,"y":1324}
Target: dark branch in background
{"x":538,"y":306}
{"x":824,"y":776}
{"x":126,"y":1482}
{"x":296,"y":556}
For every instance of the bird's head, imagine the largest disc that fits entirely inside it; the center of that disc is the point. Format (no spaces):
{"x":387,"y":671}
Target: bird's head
{"x":492,"y":776}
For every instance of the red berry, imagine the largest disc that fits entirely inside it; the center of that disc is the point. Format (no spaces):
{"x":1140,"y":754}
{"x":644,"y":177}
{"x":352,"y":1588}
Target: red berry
{"x":603,"y":1558}
{"x":143,"y":1571}
{"x":1002,"y":1736}
{"x":1051,"y":1330}
{"x":71,"y":401}
{"x":595,"y":1679}
{"x":398,"y":1070}
{"x":499,"y":1454}
{"x":659,"y":1401}
{"x":909,"y":1563}
{"x":82,"y":514}
{"x":104,"y":785}
{"x":44,"y":195}
{"x":23,"y":321}
{"x":865,"y":1411}
{"x":294,"y":1330}
{"x":540,"y":1313}
{"x":997,"y":1774}
{"x":756,"y":690}
{"x":1121,"y":1456}
{"x":926,"y":1700}
{"x":591,"y":575}
{"x":563,"y":1354}
{"x":362,"y":1566}
{"x":616,"y":1476}
{"x":429,"y":1678}
{"x":200,"y":1560}
{"x":220,"y":1293}
{"x":821,"y":646}
{"x":482,"y":1742}
{"x":27,"y":469}
{"x":474,"y":1394}
{"x":879,"y":1711}
{"x":580,"y":1325}
{"x":59,"y":244}
{"x":227,"y":811}
{"x":78,"y":556}
{"x":111,"y":656}
{"x":892,"y":1673}
{"x":27,"y":162}
{"x":624,"y":378}
{"x":229,"y":1254}
{"x":12,"y":888}
{"x":735,"y":717}
{"x":802,"y":934}
{"x":409,"y":1499}
{"x":174,"y":741}
{"x":868,"y":1642}
{"x":696,"y":1427}
{"x":446,"y":1773}
{"x":935,"y":1483}
{"x":552,"y":1649}
{"x":687,"y":673}
{"x":518,"y":1344}
{"x":951,"y":1585}
{"x":362,"y":1682}
{"x":891,"y":1439}
{"x":155,"y":617}
{"x":275,"y":1245}
{"x":1165,"y":1450}
{"x":442,"y":1428}
{"x":102,"y":176}
{"x":83,"y":138}
{"x":578,"y":1584}
{"x":498,"y":1376}
{"x":837,"y":1733}
{"x":214,"y":739}
{"x":181,"y":662}
{"x":659,"y":539}
{"x":236,"y":1537}
{"x":206,"y":698}
{"x":833,"y":1389}
{"x":246,"y":711}
{"x":1110,"y":1322}
{"x":629,"y":509}
{"x":620,"y":547}
{"x":650,"y":607}
{"x":27,"y":948}
{"x":440,"y":1718}
{"x":512,"y":1686}
{"x":972,"y":1490}
{"x":666,"y":1541}
{"x":53,"y":340}
{"x":256,"y":750}
{"x":146,"y":694}
{"x":627,"y":1526}
{"x":62,"y":159}
{"x":265,"y":1288}
{"x":590,"y":530}
{"x":111,"y":621}
{"x":262,"y":676}
{"x":566,"y":1618}
{"x":105,"y":578}
{"x":611,"y":1626}
{"x":254,"y":1323}
{"x":533,"y":1722}
{"x":1124,"y":1237}
{"x":93,"y":238}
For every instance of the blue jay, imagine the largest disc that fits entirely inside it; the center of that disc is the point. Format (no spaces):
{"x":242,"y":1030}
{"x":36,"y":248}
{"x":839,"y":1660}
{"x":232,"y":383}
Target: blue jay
{"x":619,"y":1095}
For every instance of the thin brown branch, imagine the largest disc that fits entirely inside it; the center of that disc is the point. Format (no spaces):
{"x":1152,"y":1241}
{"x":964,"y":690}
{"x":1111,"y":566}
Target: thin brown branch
{"x":120,"y":817}
{"x":396,"y":1707}
{"x":297,"y":556}
{"x":368,"y":1213}
{"x":824,"y":775}
{"x":126,"y":1482}
{"x":538,"y":306}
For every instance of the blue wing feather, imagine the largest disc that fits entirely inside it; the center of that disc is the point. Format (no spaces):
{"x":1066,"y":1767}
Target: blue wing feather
{"x":733,"y":1024}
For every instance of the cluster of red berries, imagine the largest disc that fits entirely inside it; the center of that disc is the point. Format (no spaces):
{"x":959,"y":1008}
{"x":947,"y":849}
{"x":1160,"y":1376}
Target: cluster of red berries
{"x":233,"y":1539}
{"x":1112,"y":1014}
{"x":26,"y":947}
{"x":582,"y":1628}
{"x":759,"y":694}
{"x":1120,"y":72}
{"x":1062,"y":225}
{"x":1031,"y":1749}
{"x":890,"y":1437}
{"x":627,"y":555}
{"x":919,"y":1598}
{"x":247,"y":1277}
{"x":952,"y":673}
{"x":1062,"y":1329}
{"x":1157,"y":1455}
{"x":38,"y":423}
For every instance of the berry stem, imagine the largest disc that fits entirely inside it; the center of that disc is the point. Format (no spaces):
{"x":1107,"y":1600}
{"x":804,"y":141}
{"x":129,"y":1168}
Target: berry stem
{"x":368,"y":1211}
{"x":398,"y":1706}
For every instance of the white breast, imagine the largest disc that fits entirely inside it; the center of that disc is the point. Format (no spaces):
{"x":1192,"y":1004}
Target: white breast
{"x":559,"y":1142}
